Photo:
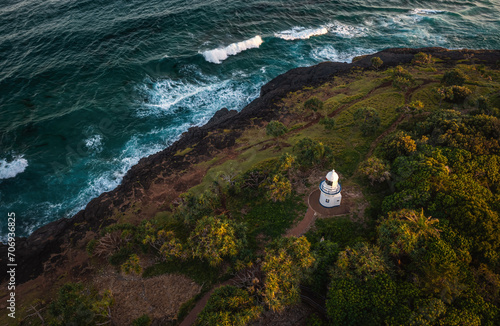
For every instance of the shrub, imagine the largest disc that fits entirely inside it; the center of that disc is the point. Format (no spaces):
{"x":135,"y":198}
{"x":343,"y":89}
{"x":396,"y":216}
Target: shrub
{"x":402,"y":79}
{"x":144,"y":320}
{"x":368,"y":118}
{"x":91,"y":246}
{"x":132,"y":265}
{"x":454,"y":94}
{"x":314,"y":104}
{"x":120,"y":257}
{"x":376,"y":62}
{"x":454,"y":77}
{"x":275,"y":129}
{"x":422,"y":59}
{"x":229,"y":305}
{"x":414,"y":107}
{"x":328,"y":123}
{"x":280,"y":188}
{"x":76,"y":305}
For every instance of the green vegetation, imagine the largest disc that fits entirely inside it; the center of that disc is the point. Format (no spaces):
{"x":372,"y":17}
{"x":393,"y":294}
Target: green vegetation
{"x":275,"y":129}
{"x":418,"y":151}
{"x":312,"y":153}
{"x":77,"y":305}
{"x":144,"y":320}
{"x":454,"y":77}
{"x":376,"y":62}
{"x":284,"y":264}
{"x":368,"y":120}
{"x":313,"y":104}
{"x":328,"y":123}
{"x":402,"y":79}
{"x":422,"y":59}
{"x":229,"y":305}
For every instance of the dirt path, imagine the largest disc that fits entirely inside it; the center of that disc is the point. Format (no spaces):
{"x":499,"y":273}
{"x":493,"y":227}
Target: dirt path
{"x":191,"y":318}
{"x":297,"y":231}
{"x":303,"y":225}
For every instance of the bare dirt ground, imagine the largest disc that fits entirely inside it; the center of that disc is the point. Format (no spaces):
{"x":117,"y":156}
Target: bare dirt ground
{"x":158,"y":297}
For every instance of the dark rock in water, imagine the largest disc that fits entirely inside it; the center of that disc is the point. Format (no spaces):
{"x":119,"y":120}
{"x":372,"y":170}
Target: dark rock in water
{"x":33,"y":252}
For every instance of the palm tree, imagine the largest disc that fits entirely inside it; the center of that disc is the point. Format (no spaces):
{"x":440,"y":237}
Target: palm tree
{"x":421,"y":225}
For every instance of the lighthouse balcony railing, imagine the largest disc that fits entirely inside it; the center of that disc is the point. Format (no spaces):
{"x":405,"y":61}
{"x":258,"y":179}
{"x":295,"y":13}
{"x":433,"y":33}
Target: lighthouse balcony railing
{"x":327,"y":189}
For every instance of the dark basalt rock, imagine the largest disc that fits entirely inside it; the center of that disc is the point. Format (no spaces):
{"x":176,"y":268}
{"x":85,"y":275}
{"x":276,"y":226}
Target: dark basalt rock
{"x":32,"y":252}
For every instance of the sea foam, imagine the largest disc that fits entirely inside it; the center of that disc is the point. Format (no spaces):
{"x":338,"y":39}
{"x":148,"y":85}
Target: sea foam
{"x":9,"y":169}
{"x":221,"y":54}
{"x":420,"y":11}
{"x":346,"y":31}
{"x":301,"y":33}
{"x":329,"y":53}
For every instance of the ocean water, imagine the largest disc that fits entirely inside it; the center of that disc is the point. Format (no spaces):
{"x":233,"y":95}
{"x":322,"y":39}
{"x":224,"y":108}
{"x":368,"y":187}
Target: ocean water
{"x":87,"y":88}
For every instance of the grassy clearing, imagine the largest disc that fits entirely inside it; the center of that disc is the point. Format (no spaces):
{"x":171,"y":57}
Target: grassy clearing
{"x":242,"y":163}
{"x":199,"y":271}
{"x":340,"y":230}
{"x":264,"y":217}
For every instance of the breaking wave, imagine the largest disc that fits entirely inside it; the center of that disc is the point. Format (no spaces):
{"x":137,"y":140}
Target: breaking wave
{"x":301,"y":33}
{"x":11,"y":168}
{"x":221,"y":54}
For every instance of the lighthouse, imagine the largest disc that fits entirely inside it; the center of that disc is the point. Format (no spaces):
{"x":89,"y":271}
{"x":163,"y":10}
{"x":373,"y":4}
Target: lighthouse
{"x":330,"y":190}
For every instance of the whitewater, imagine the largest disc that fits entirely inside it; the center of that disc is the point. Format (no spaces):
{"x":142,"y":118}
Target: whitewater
{"x":88,"y":88}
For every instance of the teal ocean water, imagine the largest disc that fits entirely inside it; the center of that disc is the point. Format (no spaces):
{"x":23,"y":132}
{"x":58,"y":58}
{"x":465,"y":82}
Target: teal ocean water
{"x":87,"y":88}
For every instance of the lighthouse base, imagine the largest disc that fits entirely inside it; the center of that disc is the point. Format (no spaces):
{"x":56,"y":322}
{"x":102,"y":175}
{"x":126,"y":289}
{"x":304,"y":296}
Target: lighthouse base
{"x":329,"y":201}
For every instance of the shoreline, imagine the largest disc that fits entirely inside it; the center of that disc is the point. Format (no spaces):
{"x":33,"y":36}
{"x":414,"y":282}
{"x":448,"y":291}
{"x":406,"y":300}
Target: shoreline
{"x":49,"y":241}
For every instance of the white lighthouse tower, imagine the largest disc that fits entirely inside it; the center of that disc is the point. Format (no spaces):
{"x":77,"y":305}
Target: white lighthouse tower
{"x":330,"y":190}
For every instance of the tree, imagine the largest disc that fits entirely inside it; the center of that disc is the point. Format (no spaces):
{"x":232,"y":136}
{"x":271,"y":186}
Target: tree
{"x":280,"y":188}
{"x":284,"y":264}
{"x":375,"y":169}
{"x":399,"y":144}
{"x":313,"y":104}
{"x":275,"y":129}
{"x":377,"y":301}
{"x":286,"y":163}
{"x":311,"y":153}
{"x":376,"y":62}
{"x":229,"y":306}
{"x":360,"y":262}
{"x":400,"y":233}
{"x":214,"y":238}
{"x":368,"y":120}
{"x":439,"y":270}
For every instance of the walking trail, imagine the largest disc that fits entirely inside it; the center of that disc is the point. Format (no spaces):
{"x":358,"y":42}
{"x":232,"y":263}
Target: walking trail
{"x":297,"y":231}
